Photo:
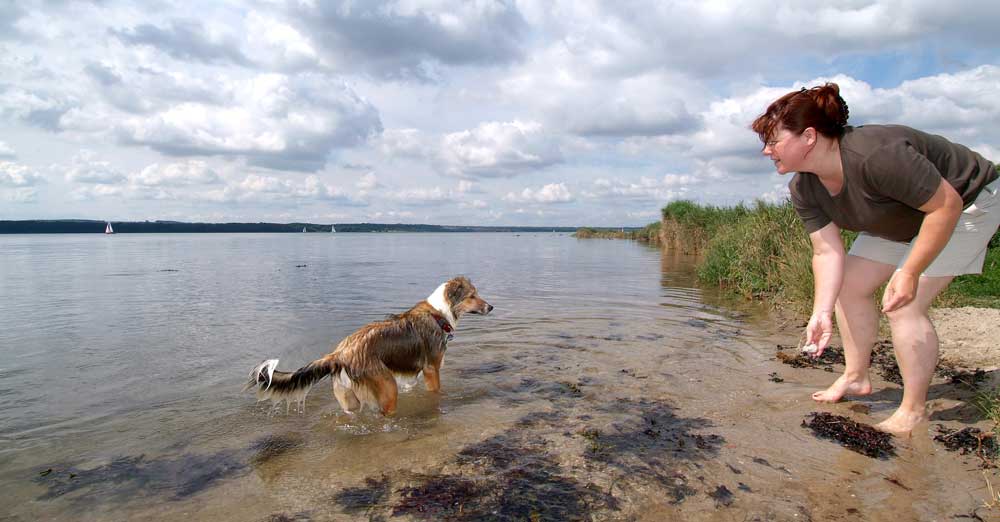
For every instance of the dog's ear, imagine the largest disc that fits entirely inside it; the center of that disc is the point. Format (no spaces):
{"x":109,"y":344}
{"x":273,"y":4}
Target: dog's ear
{"x":458,"y":289}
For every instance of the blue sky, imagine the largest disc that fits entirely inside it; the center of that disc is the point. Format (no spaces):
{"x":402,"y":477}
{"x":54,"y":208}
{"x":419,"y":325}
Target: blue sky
{"x":452,"y":112}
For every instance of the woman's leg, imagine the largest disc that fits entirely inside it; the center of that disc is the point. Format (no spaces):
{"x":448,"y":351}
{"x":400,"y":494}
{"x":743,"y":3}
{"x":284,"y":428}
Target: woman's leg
{"x":857,"y":320}
{"x":916,"y":345}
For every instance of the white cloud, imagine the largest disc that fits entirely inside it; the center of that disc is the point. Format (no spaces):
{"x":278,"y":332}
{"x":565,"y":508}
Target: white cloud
{"x":19,"y":195}
{"x":274,"y":121}
{"x":499,"y":149}
{"x":367,"y":182}
{"x":87,"y":169}
{"x":404,"y":143}
{"x":475,"y":204}
{"x":89,"y":192}
{"x":778,"y":194}
{"x":667,"y":188}
{"x":17,"y":175}
{"x":6,"y":152}
{"x":191,"y":172}
{"x":274,"y":43}
{"x":423,"y":196}
{"x":548,"y":194}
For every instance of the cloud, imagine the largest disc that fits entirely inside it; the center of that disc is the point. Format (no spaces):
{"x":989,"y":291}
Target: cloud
{"x":277,"y":45}
{"x":17,"y":175}
{"x":404,"y":143}
{"x":477,"y":204}
{"x":191,"y":172}
{"x":6,"y":152}
{"x":276,"y":121}
{"x":498,"y":150}
{"x":86,"y":169}
{"x":423,"y":197}
{"x":255,"y":188}
{"x":393,"y":39}
{"x":39,"y":108}
{"x":548,"y":194}
{"x":186,"y":40}
{"x":646,"y":189}
{"x":90,"y":192}
{"x":19,"y":195}
{"x":367,"y":182}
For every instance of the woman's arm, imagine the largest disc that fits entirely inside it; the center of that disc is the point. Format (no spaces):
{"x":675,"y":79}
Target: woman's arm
{"x":941,"y":213}
{"x":828,"y":272}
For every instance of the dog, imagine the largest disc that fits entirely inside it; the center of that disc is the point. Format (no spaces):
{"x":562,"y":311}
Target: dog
{"x":364,"y":366}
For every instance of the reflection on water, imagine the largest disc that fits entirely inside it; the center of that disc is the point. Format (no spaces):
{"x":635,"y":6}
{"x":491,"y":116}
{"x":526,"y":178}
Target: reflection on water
{"x":604,"y":386}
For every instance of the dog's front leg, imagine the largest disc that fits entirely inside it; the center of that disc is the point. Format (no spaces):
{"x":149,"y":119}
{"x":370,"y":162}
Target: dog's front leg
{"x":432,"y":374}
{"x":432,"y":378}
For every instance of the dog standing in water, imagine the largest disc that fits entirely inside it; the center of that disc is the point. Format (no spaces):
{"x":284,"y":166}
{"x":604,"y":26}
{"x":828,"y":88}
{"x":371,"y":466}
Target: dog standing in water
{"x":365,"y":364}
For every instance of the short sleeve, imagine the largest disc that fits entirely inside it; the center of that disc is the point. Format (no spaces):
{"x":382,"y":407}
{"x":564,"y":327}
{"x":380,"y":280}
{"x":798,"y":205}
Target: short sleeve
{"x":898,"y":171}
{"x":809,"y":212}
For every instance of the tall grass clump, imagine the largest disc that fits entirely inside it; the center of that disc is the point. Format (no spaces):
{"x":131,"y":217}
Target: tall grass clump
{"x":687,"y":226}
{"x":764,"y":252}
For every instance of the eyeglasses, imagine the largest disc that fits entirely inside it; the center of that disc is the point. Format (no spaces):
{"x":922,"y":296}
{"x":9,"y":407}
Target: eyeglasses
{"x":774,"y":143}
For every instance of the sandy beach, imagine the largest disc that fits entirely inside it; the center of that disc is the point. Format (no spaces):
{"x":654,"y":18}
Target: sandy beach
{"x":969,"y":337}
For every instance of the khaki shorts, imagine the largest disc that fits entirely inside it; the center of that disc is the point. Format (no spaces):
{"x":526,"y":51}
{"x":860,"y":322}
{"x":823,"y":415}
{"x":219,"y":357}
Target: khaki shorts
{"x":965,"y":251}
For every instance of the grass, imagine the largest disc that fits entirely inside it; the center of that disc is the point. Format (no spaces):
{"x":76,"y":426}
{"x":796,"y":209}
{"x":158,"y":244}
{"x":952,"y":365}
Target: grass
{"x":650,"y":233}
{"x":763,"y":252}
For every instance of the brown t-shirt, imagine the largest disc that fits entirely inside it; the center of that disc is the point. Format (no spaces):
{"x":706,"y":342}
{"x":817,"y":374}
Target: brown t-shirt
{"x":889,"y":171}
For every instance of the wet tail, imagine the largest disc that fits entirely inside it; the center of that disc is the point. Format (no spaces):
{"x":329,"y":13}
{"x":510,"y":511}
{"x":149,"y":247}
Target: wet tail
{"x":288,"y":386}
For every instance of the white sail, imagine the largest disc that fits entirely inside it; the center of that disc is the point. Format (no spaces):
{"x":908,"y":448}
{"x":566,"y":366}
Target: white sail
{"x":332,"y":229}
{"x":108,"y":229}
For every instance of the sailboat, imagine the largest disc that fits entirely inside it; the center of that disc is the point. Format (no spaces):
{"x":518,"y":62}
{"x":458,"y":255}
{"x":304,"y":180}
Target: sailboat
{"x":303,"y":229}
{"x":108,"y":229}
{"x":332,"y":229}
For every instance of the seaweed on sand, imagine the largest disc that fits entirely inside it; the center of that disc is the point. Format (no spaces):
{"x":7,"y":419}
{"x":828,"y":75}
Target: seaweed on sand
{"x":853,"y":435}
{"x":970,"y":440}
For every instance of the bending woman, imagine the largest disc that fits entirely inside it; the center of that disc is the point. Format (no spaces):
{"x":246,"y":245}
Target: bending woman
{"x":925,"y":208}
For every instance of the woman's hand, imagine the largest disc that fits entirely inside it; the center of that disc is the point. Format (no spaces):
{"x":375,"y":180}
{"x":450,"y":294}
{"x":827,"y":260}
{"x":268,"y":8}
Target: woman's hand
{"x":902,"y":288}
{"x":819,"y":331}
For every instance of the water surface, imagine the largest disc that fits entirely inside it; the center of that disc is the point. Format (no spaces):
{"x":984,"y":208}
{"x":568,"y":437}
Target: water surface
{"x":605,"y":386}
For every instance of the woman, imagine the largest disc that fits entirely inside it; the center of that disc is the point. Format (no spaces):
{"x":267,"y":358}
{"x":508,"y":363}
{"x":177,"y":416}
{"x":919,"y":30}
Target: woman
{"x":926,"y":209}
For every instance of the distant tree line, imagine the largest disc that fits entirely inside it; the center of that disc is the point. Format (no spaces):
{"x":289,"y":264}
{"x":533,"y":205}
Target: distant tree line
{"x":82,"y":226}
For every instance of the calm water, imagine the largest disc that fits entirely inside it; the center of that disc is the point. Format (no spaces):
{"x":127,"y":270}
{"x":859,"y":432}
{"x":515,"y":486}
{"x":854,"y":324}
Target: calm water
{"x":604,"y":386}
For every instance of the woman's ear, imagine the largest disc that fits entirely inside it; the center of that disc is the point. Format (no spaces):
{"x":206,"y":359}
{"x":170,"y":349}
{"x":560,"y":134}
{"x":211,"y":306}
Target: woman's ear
{"x":810,"y":135}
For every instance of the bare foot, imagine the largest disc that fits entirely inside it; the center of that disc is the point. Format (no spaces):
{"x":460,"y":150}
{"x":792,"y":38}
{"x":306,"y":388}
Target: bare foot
{"x":843,"y":386}
{"x":902,"y":422}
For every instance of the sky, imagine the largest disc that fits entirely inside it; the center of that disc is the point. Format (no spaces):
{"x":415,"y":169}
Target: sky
{"x":460,"y":112}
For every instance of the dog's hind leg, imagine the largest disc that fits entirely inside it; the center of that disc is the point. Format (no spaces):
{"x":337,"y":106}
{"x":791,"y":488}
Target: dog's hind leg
{"x":346,"y":397}
{"x":386,"y":392}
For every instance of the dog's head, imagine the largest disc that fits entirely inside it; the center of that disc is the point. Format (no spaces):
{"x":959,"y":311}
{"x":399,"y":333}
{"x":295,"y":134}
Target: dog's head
{"x":460,"y":297}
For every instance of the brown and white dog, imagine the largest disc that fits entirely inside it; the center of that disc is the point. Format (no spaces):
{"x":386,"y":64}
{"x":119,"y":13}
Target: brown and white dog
{"x":365,"y":364}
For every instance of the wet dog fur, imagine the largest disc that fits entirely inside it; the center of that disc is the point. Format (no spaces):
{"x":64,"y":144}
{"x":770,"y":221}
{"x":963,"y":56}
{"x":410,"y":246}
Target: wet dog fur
{"x":364,"y":366}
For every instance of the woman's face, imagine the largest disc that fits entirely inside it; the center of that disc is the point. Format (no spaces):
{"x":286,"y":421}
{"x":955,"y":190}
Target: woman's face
{"x":787,"y":150}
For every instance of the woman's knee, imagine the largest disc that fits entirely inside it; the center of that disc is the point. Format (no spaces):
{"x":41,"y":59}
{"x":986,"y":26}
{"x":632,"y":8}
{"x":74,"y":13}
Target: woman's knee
{"x":912,"y":311}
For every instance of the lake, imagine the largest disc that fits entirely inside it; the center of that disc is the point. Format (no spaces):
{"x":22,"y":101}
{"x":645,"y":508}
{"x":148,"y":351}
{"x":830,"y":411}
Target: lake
{"x":604,"y":386}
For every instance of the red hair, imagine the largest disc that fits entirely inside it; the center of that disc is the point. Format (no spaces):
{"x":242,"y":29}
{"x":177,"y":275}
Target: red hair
{"x":821,"y":108}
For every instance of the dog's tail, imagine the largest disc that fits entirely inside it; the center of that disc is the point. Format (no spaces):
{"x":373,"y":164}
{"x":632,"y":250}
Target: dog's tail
{"x":288,"y":386}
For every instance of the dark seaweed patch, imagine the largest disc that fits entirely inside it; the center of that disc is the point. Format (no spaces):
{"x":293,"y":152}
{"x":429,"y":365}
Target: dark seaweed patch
{"x":483,"y":369}
{"x":130,"y":476}
{"x":364,"y":498}
{"x":722,"y":496}
{"x":436,"y":498}
{"x":269,"y":447}
{"x":970,"y":440}
{"x":853,"y":435}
